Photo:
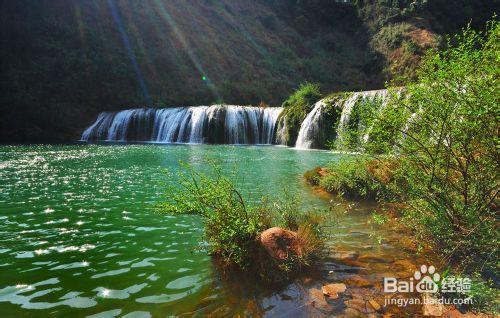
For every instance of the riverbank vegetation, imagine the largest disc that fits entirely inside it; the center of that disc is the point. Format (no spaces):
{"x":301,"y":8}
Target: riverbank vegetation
{"x":235,"y":226}
{"x":435,"y":147}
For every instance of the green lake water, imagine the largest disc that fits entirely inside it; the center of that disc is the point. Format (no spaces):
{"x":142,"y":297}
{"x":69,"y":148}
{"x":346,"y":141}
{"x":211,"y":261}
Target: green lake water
{"x":80,"y":236}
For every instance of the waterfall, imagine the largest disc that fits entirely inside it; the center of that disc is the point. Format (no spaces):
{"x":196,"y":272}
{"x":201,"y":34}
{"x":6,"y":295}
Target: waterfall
{"x":202,"y":124}
{"x":271,"y":116}
{"x":352,"y":101}
{"x":330,"y":119}
{"x":310,"y":127}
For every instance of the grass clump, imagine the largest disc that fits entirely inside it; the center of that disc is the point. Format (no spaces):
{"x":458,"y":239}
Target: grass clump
{"x":297,"y":106}
{"x":233,"y":224}
{"x":358,"y":177}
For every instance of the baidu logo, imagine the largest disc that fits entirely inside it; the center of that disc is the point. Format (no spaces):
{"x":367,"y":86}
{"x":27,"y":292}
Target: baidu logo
{"x":424,"y":280}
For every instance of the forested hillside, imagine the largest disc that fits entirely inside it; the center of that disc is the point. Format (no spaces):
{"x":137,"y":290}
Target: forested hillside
{"x":63,"y":61}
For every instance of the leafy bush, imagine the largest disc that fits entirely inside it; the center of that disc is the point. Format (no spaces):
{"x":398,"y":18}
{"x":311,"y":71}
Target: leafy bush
{"x":391,"y":36}
{"x":232,"y":225}
{"x":351,"y":137}
{"x":297,"y":106}
{"x":312,"y":176}
{"x":442,"y":131}
{"x":359,"y":177}
{"x":231,"y":228}
{"x":451,"y":148}
{"x":388,"y":126}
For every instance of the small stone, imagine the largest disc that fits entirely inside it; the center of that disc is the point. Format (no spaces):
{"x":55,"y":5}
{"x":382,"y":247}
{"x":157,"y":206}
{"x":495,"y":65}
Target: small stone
{"x":332,"y":290}
{"x":280,"y":243}
{"x":374,"y":304}
{"x":408,"y":244}
{"x":317,"y":299}
{"x":352,"y":263}
{"x":406,"y":265}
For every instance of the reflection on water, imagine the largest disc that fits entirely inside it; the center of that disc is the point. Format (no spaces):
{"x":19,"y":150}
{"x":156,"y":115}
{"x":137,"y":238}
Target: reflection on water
{"x":80,"y":235}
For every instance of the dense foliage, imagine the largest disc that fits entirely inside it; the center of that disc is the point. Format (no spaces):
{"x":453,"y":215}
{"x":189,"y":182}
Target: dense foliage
{"x":351,"y":136}
{"x":233,"y":223}
{"x":63,"y":61}
{"x":404,"y":29}
{"x":450,"y":150}
{"x":442,"y":132}
{"x":359,"y":177}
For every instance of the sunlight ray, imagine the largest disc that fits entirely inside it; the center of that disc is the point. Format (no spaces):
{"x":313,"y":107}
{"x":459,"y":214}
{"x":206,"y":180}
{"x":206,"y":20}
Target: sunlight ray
{"x":182,"y":39}
{"x":126,"y":42}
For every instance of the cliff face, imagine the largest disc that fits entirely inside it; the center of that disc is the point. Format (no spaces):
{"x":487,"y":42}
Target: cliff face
{"x":63,"y":61}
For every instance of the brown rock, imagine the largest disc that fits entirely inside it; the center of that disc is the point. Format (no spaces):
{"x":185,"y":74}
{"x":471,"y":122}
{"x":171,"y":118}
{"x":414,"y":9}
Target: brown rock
{"x":333,"y":290}
{"x":279,"y":242}
{"x":374,"y":304}
{"x":317,"y":299}
{"x":374,"y":258}
{"x":408,"y":244}
{"x":405,"y":264}
{"x":358,"y":281}
{"x":323,"y":172}
{"x":352,"y":263}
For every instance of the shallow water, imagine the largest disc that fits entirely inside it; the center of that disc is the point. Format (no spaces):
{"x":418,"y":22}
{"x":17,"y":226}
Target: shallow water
{"x":80,"y":235}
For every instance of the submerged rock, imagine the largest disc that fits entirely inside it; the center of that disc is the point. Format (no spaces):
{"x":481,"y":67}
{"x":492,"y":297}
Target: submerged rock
{"x":358,"y":281}
{"x":375,"y":304}
{"x":317,"y":299}
{"x":333,"y":290}
{"x":280,"y":243}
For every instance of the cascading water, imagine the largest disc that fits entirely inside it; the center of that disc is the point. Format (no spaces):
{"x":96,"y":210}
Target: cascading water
{"x":350,"y":103}
{"x":230,"y":124}
{"x":203,"y":124}
{"x":310,"y":127}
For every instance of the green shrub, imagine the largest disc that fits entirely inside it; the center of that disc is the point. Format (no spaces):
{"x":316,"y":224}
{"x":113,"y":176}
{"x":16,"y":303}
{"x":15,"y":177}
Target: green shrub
{"x":391,"y":36}
{"x":361,"y":177}
{"x":450,"y":152}
{"x":379,"y":218}
{"x":312,"y":176}
{"x":484,"y":295}
{"x":388,"y":126}
{"x":363,"y":114}
{"x":297,"y":106}
{"x":232,"y":225}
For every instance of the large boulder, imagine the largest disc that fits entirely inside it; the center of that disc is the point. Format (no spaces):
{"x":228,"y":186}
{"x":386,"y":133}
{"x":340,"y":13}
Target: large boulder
{"x":280,"y":243}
